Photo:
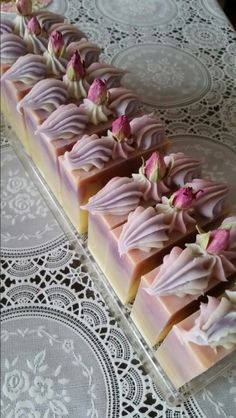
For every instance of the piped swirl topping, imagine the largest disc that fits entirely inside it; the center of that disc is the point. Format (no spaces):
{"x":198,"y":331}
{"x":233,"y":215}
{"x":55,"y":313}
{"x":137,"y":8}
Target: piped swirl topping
{"x":144,"y":230}
{"x":105,"y":72}
{"x":12,"y":47}
{"x":216,"y":324}
{"x":123,"y":101}
{"x":213,"y":198}
{"x":48,"y":19}
{"x":28,"y":69}
{"x":6,"y":26}
{"x":65,"y":122}
{"x":120,"y":196}
{"x":47,"y":94}
{"x":89,"y":152}
{"x":148,"y":131}
{"x":183,"y":168}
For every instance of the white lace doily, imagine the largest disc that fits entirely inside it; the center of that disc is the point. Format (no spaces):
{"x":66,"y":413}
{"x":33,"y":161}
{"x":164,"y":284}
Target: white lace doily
{"x":75,"y":360}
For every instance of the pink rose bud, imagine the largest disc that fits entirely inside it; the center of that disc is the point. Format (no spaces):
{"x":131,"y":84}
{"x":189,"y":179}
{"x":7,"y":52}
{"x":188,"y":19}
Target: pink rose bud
{"x":155,"y":167}
{"x":218,"y":241}
{"x":24,"y":7}
{"x":56,"y":44}
{"x":75,"y":68}
{"x":98,"y":93}
{"x":121,"y":128}
{"x":183,"y":198}
{"x":33,"y":26}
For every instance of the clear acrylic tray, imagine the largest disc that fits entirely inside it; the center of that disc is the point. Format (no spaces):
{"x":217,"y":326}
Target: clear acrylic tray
{"x":219,"y":162}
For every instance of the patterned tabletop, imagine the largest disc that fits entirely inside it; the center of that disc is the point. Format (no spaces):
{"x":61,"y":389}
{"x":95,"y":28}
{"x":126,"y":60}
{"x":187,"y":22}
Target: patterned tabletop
{"x":64,"y":353}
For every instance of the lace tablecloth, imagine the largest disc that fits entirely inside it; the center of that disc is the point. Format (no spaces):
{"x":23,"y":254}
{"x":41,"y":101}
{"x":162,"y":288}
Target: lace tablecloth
{"x":63,"y":353}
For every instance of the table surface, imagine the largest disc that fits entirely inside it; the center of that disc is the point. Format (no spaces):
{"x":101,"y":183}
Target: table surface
{"x":63,"y":352}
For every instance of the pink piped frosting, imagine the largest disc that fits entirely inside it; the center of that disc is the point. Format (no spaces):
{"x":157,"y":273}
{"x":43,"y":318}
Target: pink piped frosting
{"x":120,"y":196}
{"x":28,"y":69}
{"x":11,"y":48}
{"x":182,"y":169}
{"x":47,"y":95}
{"x":215,"y":325}
{"x":105,"y":72}
{"x":89,"y":152}
{"x":65,"y":122}
{"x":213,"y":198}
{"x":148,"y":130}
{"x":189,"y":271}
{"x":123,"y":101}
{"x":145,"y":229}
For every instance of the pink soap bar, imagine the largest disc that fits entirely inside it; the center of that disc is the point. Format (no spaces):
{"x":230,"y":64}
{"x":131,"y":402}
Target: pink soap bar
{"x":183,"y":361}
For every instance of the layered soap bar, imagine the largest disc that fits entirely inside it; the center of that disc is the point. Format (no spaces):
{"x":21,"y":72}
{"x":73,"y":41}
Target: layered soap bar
{"x":173,"y":291}
{"x":94,"y":160}
{"x":200,"y":341}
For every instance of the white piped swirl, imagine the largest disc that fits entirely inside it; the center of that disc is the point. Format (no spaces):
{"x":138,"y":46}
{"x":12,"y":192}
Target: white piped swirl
{"x":95,"y":113}
{"x":77,"y":89}
{"x":35,"y":44}
{"x":55,"y":66}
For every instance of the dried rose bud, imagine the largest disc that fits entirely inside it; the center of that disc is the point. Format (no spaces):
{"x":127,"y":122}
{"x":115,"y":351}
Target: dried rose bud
{"x":183,"y":198}
{"x":24,"y":7}
{"x":75,"y":68}
{"x":218,"y":241}
{"x":98,"y":93}
{"x":33,"y":26}
{"x":121,"y":128}
{"x":56,"y":44}
{"x":155,"y":167}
